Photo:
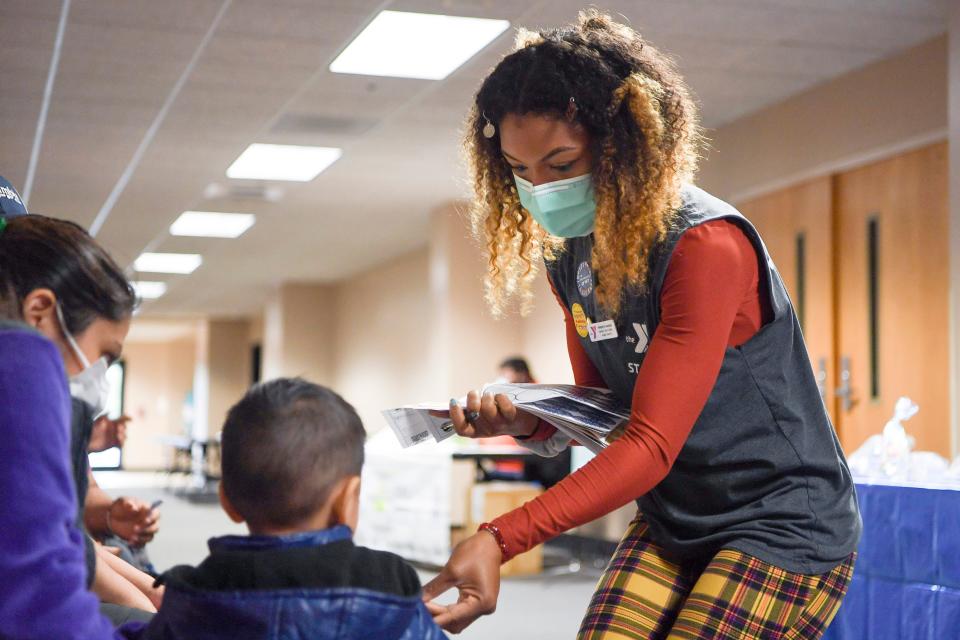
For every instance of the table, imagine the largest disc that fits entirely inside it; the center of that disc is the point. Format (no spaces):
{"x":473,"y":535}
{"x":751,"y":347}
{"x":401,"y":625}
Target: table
{"x":491,"y":451}
{"x":200,"y":459}
{"x":410,"y":498}
{"x":906,"y":583}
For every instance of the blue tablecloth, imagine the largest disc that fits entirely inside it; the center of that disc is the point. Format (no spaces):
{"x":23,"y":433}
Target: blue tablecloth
{"x":906,"y":583}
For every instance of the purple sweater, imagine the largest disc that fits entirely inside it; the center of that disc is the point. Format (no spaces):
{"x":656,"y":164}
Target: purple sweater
{"x":42,"y":568}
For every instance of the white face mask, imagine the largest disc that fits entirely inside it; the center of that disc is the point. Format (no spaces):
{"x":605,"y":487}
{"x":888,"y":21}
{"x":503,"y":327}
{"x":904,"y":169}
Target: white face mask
{"x":90,"y":385}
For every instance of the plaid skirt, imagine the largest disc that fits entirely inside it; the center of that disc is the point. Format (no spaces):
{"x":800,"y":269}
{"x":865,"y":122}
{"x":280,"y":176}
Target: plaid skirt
{"x":643,"y":596}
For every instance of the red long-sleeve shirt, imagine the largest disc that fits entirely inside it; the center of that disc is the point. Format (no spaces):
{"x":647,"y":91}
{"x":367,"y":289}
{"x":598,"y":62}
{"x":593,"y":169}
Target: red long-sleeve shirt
{"x":710,"y":300}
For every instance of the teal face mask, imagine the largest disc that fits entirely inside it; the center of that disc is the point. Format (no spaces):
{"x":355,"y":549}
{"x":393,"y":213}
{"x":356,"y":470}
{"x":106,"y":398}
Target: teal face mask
{"x":564,"y":208}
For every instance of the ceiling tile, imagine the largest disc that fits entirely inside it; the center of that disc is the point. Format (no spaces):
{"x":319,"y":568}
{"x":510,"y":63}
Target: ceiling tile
{"x":264,"y":78}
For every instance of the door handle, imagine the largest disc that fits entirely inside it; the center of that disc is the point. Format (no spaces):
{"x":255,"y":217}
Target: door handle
{"x":845,"y":390}
{"x":822,"y":378}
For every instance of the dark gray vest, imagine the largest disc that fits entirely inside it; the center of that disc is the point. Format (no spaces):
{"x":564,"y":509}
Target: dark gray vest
{"x":762,"y":470}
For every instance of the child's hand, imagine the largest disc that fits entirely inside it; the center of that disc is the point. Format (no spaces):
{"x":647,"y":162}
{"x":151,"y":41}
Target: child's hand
{"x":474,"y":569}
{"x":488,"y":416}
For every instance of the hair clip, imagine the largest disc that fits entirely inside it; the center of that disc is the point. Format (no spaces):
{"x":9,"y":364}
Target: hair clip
{"x":488,"y":129}
{"x":571,"y":109}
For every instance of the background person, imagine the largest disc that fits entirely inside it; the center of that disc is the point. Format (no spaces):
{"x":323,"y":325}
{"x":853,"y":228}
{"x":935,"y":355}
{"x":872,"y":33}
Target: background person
{"x":125,"y":523}
{"x":545,"y":471}
{"x":516,"y":369}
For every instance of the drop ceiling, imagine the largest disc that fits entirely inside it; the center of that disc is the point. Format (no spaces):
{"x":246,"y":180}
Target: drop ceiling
{"x":262,"y":77}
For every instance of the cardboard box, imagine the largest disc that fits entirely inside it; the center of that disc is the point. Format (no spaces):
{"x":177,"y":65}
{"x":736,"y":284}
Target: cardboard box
{"x":463,"y":476}
{"x":491,"y":499}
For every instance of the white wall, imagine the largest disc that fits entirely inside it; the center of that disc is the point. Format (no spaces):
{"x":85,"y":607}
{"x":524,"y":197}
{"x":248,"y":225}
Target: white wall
{"x":874,"y":112}
{"x":159,"y":375}
{"x":884,"y":109}
{"x":418,"y":329}
{"x":297,"y":332}
{"x":381,"y":336}
{"x":953,"y":72}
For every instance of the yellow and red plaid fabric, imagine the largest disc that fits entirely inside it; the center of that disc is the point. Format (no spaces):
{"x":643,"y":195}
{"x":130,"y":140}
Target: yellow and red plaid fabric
{"x":644,"y":596}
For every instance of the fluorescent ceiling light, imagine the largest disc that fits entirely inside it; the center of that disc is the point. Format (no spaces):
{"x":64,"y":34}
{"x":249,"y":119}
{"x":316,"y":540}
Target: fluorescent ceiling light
{"x":416,"y":45}
{"x":212,"y":224}
{"x":148,"y":290}
{"x":168,"y":262}
{"x":282,"y":162}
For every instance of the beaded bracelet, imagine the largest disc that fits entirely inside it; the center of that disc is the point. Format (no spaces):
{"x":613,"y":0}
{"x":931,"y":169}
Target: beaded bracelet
{"x":493,"y":530}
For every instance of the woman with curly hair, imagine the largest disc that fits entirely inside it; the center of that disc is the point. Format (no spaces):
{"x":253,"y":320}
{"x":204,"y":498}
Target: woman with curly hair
{"x":583,"y":144}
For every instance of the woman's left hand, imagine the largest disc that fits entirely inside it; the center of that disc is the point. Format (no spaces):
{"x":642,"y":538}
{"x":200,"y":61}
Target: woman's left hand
{"x":474,"y":569}
{"x":495,"y":415}
{"x":134,"y":521}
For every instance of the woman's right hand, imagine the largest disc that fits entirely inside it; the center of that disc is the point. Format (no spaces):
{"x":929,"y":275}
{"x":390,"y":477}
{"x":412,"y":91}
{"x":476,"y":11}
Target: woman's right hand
{"x":495,"y":415}
{"x":474,"y":569}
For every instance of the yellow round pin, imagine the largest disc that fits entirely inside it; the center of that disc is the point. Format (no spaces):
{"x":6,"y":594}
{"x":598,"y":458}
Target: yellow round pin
{"x":580,"y":319}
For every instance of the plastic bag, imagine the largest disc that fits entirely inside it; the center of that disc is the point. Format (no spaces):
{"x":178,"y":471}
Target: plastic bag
{"x":927,"y":466}
{"x":953,"y":472}
{"x":887,"y":455}
{"x":897,"y":444}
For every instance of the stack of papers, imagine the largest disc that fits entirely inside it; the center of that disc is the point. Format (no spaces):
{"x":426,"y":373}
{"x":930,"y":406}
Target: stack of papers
{"x":592,"y":417}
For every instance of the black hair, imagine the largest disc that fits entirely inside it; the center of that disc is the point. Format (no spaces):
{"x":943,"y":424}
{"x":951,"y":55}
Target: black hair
{"x":518,"y":364}
{"x":542,"y":78}
{"x":37,"y":252}
{"x":285,"y":446}
{"x":587,"y":63}
{"x":642,"y":127}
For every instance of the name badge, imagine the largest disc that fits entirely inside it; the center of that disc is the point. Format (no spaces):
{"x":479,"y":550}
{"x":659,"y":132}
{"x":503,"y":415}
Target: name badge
{"x":602,"y":330}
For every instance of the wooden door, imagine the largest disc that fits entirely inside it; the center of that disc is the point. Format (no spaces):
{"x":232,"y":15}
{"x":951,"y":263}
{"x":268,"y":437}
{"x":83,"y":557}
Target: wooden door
{"x":796,"y":225}
{"x":892,"y":287}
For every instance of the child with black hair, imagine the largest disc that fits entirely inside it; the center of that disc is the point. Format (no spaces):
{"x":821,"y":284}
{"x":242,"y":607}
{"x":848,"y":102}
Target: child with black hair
{"x":292,"y":454}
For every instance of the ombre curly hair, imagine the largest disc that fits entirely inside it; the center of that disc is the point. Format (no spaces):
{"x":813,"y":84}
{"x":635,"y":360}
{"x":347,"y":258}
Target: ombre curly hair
{"x":644,"y":135}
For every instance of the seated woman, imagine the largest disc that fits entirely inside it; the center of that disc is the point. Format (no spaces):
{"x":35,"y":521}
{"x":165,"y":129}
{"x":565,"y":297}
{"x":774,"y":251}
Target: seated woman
{"x":126,"y":591}
{"x":125,"y":523}
{"x":64,"y":304}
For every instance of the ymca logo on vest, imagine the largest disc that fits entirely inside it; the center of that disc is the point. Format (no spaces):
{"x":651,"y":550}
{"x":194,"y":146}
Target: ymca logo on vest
{"x":643,"y":338}
{"x":585,"y":279}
